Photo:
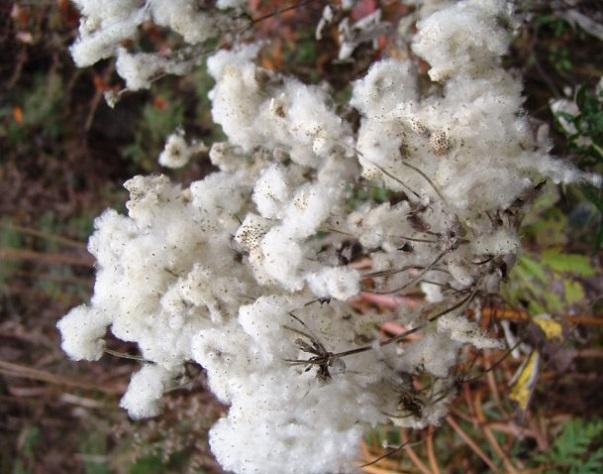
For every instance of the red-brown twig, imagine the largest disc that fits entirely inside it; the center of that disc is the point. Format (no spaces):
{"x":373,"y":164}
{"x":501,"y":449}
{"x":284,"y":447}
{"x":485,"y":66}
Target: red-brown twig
{"x":412,"y":455}
{"x":44,"y":235}
{"x":477,"y":403}
{"x":516,"y":315}
{"x":46,"y":257}
{"x":20,"y":371}
{"x":433,"y":461}
{"x":472,"y":444}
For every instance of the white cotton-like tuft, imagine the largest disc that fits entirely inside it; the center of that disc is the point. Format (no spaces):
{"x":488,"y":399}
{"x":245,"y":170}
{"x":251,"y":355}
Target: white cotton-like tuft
{"x":103,"y":26}
{"x":433,"y":292}
{"x":257,"y":108}
{"x":317,"y":428}
{"x":387,"y":84}
{"x":146,"y":388}
{"x":250,"y":234}
{"x":282,"y":257}
{"x":271,"y":192}
{"x":224,"y":4}
{"x":340,"y":283}
{"x":185,"y":18}
{"x":82,"y":330}
{"x":309,"y":207}
{"x":139,"y":70}
{"x":177,"y":152}
{"x":467,"y":332}
{"x":463,"y":38}
{"x":435,"y":352}
{"x":501,"y":242}
{"x":106,"y":25}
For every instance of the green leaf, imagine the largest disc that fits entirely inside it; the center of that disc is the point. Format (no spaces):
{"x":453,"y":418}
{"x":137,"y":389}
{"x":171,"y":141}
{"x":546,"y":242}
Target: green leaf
{"x":595,"y":196}
{"x":599,"y":238}
{"x":532,"y":268}
{"x":579,"y":265}
{"x":587,"y":101}
{"x":547,"y":283}
{"x":574,"y":291}
{"x":548,"y":230}
{"x":147,"y":465}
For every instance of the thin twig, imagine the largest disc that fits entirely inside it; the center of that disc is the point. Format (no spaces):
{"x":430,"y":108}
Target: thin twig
{"x":456,"y":427}
{"x":517,"y":315}
{"x":123,"y":355}
{"x":49,"y":276}
{"x":509,"y":427}
{"x":428,"y":179}
{"x":414,"y":239}
{"x":392,"y":176}
{"x":382,"y":273}
{"x":44,"y":235}
{"x":477,"y":403}
{"x":21,"y":371}
{"x":49,"y":258}
{"x":387,"y":453}
{"x":99,"y":93}
{"x":507,"y":353}
{"x":282,"y":10}
{"x":418,"y":278}
{"x":412,"y":455}
{"x":433,"y":461}
{"x":379,"y":470}
{"x":405,"y":334}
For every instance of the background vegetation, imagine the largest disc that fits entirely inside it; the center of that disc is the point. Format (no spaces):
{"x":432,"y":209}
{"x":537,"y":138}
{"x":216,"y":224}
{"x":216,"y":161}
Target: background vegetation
{"x":64,"y":156}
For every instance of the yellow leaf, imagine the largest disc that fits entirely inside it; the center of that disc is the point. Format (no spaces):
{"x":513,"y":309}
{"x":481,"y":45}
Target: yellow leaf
{"x":551,"y":328}
{"x":524,"y":381}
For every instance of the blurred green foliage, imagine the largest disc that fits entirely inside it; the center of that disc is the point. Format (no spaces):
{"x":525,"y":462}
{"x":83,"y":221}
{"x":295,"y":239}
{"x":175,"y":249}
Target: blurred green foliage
{"x":555,"y":31}
{"x":26,"y":456}
{"x":151,"y":464}
{"x":9,"y":238}
{"x":584,"y":134}
{"x":38,"y":111}
{"x":93,"y":451}
{"x":158,"y":120}
{"x":548,"y":282}
{"x":578,"y":449}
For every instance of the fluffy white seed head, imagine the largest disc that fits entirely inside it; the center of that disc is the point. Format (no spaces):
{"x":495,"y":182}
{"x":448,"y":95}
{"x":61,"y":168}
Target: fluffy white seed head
{"x":253,"y":271}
